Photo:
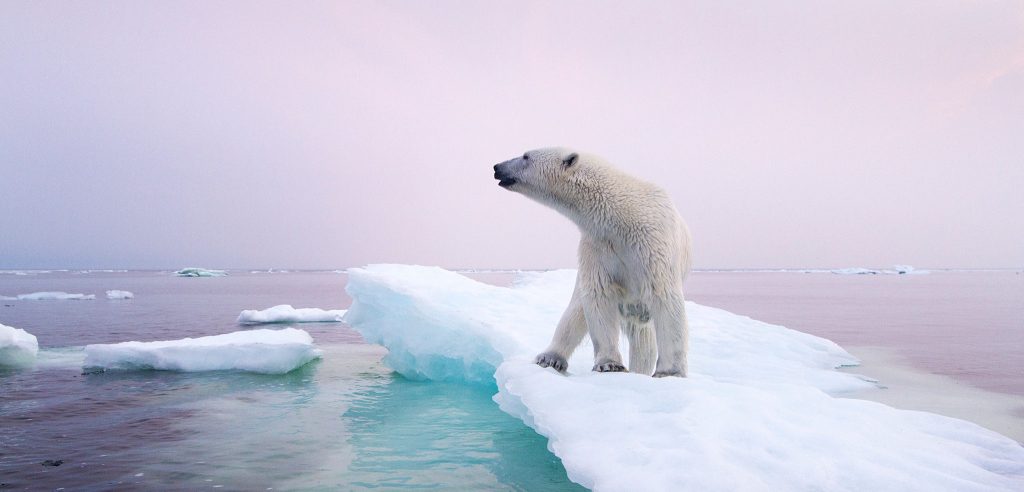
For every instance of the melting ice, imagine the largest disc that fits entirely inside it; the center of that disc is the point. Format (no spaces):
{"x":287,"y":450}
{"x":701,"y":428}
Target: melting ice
{"x":262,"y":351}
{"x":287,"y":314}
{"x":17,"y":347}
{"x":199,"y":272}
{"x":761,"y":410}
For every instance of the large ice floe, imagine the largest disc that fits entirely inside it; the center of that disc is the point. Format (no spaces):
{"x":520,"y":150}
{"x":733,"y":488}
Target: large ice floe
{"x":284,"y":313}
{"x":200,"y":272}
{"x":763,"y":408}
{"x":17,"y":347}
{"x":262,"y":351}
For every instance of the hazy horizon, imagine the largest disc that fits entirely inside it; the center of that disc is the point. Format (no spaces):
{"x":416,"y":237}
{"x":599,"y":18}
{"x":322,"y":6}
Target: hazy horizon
{"x":324,"y":135}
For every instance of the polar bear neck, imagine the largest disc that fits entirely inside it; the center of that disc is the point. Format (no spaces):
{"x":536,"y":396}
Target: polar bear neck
{"x":598,"y":197}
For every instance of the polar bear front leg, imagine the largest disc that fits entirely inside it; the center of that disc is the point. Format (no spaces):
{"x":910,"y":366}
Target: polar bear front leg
{"x":672,"y":334}
{"x":571,"y":329}
{"x":602,"y":315}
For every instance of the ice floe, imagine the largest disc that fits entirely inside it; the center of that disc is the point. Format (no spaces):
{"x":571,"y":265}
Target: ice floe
{"x":200,"y":272}
{"x":895,"y":270}
{"x":263,"y":351}
{"x":284,"y":313}
{"x":17,"y":347}
{"x":119,"y":294}
{"x":51,"y":296}
{"x":761,"y":410}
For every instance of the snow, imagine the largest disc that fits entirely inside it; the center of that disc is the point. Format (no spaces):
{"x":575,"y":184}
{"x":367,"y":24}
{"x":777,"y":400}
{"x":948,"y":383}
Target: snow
{"x":51,"y":296}
{"x":17,"y":347}
{"x":284,"y":313}
{"x":262,"y":351}
{"x":761,"y":410}
{"x":200,"y":272}
{"x":119,"y":294}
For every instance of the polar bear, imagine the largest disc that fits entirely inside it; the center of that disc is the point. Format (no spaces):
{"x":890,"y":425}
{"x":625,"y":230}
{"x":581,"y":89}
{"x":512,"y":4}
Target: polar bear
{"x":634,"y":254}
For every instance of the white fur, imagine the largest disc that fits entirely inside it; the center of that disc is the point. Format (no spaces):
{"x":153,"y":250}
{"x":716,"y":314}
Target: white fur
{"x":634,"y":254}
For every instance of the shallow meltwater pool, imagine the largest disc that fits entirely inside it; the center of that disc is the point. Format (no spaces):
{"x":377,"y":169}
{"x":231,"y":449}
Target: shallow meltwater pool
{"x":344,"y":422}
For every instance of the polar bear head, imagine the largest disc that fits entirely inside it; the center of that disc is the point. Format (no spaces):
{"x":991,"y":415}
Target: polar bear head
{"x":552,"y":175}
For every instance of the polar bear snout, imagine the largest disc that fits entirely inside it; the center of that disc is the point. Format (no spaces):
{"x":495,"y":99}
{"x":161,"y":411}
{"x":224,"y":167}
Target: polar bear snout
{"x":503,"y":174}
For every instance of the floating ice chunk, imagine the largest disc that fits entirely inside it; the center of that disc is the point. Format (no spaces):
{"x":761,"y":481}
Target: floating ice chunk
{"x":119,"y":294}
{"x":854,"y":271}
{"x":17,"y":347}
{"x":54,"y":296}
{"x":905,"y":270}
{"x":759,"y":411}
{"x":200,"y":272}
{"x":287,"y":314}
{"x":895,"y":270}
{"x":262,"y":351}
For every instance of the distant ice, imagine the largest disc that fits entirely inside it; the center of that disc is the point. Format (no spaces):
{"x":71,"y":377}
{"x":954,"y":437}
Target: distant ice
{"x":284,"y":313}
{"x":761,"y":409}
{"x":854,"y":271}
{"x":22,"y":273}
{"x":200,"y":272}
{"x":904,"y":270}
{"x":119,"y":294}
{"x":895,"y":270}
{"x":52,"y":296}
{"x":17,"y":347}
{"x":262,"y":351}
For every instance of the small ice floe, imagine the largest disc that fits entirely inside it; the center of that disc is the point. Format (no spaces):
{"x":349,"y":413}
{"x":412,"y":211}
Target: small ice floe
{"x":119,"y":294}
{"x":284,"y":313}
{"x":762,"y":408}
{"x":17,"y":347}
{"x":200,"y":272}
{"x":904,"y":270}
{"x":52,"y":296}
{"x":855,"y":271}
{"x":262,"y":351}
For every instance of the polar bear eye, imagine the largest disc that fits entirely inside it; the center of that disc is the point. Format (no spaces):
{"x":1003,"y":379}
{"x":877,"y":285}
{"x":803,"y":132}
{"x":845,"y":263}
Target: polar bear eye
{"x":526,"y":157}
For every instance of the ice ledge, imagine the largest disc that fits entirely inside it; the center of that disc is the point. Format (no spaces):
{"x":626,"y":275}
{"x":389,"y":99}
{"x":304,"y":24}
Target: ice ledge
{"x":759,"y":412}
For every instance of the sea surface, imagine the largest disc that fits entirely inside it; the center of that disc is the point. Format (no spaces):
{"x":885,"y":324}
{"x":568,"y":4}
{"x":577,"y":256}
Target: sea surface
{"x":348,"y":423}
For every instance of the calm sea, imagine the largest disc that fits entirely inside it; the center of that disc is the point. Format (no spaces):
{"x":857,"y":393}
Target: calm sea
{"x":346,"y":422}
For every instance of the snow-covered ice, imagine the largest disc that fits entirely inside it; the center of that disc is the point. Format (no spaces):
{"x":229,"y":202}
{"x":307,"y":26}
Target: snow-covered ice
{"x":51,"y":296}
{"x":200,"y":272}
{"x":17,"y":347}
{"x":761,"y":410}
{"x":120,"y":294}
{"x":284,"y":313}
{"x":263,"y":351}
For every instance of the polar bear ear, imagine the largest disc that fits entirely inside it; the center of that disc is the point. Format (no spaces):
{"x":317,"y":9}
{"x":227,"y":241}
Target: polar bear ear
{"x":569,"y":160}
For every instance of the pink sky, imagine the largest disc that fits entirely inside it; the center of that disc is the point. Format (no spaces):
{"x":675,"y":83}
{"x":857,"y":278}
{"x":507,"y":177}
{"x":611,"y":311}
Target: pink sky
{"x":327,"y":135}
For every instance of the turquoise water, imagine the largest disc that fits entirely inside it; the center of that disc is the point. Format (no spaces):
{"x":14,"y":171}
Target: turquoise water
{"x":345,"y":422}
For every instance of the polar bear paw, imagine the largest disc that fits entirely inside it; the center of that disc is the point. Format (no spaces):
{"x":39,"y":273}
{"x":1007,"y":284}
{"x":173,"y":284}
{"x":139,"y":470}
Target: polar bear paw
{"x":671,"y":373}
{"x":552,"y":360}
{"x":609,"y":366}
